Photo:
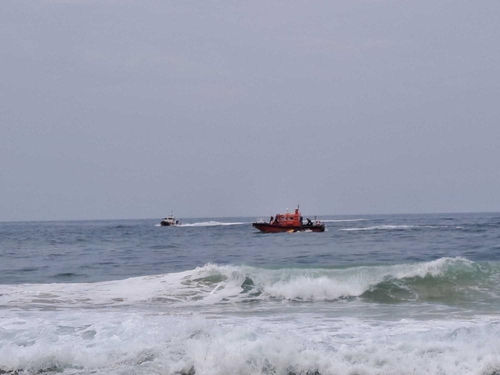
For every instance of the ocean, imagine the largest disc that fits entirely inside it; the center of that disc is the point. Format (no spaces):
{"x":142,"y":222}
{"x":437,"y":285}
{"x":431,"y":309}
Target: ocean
{"x":378,"y":294}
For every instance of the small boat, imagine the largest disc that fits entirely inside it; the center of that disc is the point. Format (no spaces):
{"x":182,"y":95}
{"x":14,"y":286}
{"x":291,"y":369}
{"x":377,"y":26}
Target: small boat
{"x":170,"y":221}
{"x":289,"y":223}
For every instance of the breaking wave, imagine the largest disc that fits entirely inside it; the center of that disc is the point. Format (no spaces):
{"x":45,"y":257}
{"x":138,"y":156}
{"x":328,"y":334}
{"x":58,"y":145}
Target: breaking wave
{"x":79,"y":329}
{"x":98,"y":343}
{"x":446,"y":280}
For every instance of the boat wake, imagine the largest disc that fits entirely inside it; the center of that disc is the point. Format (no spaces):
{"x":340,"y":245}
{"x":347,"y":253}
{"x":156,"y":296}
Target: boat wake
{"x":205,"y":224}
{"x":211,"y":224}
{"x":342,"y":220}
{"x":387,"y":227}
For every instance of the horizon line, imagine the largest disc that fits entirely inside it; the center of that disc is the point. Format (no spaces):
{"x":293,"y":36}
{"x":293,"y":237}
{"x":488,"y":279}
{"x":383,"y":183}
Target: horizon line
{"x":230,"y":217}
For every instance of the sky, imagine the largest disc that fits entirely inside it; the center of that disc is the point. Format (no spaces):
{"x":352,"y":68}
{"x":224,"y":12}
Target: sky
{"x":118,"y":109}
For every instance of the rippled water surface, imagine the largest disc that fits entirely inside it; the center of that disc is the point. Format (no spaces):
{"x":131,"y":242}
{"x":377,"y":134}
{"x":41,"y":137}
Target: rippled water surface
{"x":391,"y":294}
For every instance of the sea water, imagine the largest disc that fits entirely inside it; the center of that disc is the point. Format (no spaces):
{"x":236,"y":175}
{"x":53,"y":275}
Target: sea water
{"x":389,"y":294}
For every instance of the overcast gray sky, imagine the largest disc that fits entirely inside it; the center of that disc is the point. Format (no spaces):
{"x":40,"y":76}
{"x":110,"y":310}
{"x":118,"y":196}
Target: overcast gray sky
{"x":131,"y":109}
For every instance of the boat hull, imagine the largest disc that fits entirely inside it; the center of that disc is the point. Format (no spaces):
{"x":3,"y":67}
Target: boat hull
{"x":273,"y":228}
{"x":170,"y":221}
{"x":166,"y":223}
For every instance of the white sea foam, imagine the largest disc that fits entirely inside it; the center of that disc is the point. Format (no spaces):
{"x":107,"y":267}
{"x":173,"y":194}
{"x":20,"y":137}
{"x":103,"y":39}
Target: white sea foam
{"x":342,"y":220}
{"x":213,"y":284}
{"x":198,"y":319}
{"x":391,"y":227}
{"x":211,"y":224}
{"x":380,"y":227}
{"x":110,"y":342}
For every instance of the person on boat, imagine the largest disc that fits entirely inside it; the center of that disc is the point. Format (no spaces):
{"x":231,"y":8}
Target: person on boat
{"x":271,"y":220}
{"x":309,"y":222}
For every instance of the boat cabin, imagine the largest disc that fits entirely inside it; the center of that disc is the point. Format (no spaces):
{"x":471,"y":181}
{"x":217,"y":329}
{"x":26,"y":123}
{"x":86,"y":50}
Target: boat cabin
{"x":288,"y":219}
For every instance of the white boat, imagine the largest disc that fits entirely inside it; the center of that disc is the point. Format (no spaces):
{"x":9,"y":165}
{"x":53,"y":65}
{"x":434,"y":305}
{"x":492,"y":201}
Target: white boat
{"x":170,"y":221}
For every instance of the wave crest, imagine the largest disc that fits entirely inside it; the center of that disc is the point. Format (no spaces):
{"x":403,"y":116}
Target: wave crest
{"x":445,"y":279}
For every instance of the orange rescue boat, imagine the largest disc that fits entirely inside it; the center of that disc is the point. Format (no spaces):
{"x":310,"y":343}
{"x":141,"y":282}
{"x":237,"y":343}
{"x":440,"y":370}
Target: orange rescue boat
{"x":289,"y":223}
